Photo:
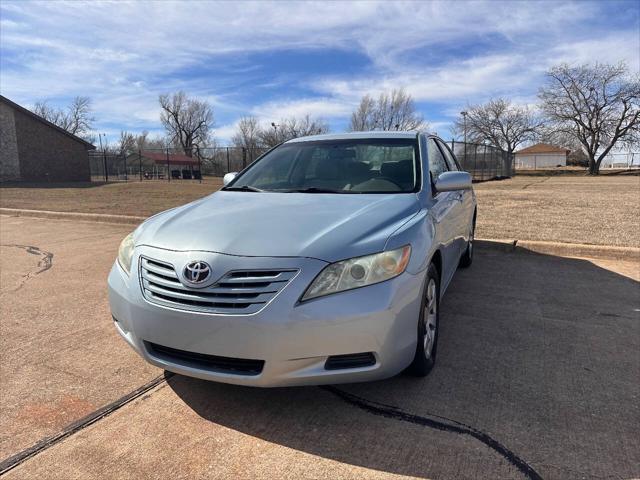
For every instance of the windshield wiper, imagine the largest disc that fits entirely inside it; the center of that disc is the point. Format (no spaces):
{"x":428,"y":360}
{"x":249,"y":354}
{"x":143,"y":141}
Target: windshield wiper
{"x":316,"y":190}
{"x":243,"y":188}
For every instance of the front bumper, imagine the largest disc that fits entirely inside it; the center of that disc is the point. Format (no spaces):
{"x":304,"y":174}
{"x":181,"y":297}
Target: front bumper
{"x":293,"y":339}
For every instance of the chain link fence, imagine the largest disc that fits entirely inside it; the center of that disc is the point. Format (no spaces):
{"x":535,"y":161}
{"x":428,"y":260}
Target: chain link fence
{"x":622,"y":160}
{"x":169,"y":164}
{"x":483,"y":162}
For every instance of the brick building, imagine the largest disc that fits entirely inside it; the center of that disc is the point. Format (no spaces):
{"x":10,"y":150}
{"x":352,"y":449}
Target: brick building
{"x":33,"y":149}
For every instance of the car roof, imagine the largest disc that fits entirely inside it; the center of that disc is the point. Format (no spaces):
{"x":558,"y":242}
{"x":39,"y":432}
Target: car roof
{"x":355,"y":135}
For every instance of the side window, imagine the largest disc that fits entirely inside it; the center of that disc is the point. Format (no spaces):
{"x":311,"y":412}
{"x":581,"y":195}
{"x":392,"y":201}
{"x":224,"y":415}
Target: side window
{"x":451,"y":161}
{"x":437,"y":163}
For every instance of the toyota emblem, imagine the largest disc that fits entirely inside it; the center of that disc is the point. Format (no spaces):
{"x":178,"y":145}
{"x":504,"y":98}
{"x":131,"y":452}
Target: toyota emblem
{"x":196,"y":273}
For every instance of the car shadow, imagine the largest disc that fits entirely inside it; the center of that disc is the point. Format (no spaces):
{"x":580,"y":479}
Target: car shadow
{"x":536,"y":377}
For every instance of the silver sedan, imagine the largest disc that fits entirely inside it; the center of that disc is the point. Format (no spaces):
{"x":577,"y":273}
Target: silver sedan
{"x":322,"y":262}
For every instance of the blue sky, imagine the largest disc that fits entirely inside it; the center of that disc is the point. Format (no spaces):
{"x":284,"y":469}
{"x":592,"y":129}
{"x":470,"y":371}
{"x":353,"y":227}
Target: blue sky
{"x":277,"y":59}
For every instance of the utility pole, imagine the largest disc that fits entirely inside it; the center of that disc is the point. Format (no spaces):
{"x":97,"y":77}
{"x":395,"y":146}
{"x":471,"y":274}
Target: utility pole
{"x":104,"y":155}
{"x":464,"y":114}
{"x":168,"y":167}
{"x":199,"y":162}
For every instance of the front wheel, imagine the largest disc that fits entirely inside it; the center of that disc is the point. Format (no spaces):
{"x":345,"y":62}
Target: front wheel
{"x":427,"y":345}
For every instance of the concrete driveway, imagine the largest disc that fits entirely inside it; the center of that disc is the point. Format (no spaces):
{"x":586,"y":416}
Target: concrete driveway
{"x":537,"y":377}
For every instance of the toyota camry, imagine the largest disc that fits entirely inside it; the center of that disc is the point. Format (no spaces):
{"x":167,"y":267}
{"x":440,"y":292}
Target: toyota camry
{"x":324,"y":261}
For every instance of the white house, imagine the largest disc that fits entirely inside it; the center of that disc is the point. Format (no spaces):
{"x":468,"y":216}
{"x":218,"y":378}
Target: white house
{"x":541,"y":155}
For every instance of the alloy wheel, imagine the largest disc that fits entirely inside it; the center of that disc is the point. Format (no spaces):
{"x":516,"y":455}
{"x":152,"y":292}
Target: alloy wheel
{"x":430,"y":317}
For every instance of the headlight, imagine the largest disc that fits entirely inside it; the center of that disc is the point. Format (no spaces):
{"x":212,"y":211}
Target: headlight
{"x":358,"y":272}
{"x":125,"y":252}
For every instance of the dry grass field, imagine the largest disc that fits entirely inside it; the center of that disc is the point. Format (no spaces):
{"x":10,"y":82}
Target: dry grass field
{"x":132,"y":198}
{"x":601,"y":210}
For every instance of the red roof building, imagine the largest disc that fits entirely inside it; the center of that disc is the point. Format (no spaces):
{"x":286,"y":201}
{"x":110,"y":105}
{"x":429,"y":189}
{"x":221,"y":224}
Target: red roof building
{"x":161,"y":158}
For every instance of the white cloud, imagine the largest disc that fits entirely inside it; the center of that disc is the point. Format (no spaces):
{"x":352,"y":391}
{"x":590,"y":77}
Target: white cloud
{"x":123,"y":54}
{"x":613,"y":48}
{"x":456,"y":79}
{"x":224,"y":133}
{"x":326,"y":108}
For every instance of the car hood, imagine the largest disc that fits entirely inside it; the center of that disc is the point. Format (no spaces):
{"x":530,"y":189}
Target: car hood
{"x":328,"y":227}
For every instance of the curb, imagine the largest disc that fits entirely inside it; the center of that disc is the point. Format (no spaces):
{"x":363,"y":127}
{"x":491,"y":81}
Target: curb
{"x":560,"y":249}
{"x":89,"y":217}
{"x":504,"y":245}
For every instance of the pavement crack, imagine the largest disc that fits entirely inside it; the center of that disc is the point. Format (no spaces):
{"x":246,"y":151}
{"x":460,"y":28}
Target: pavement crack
{"x":48,"y":442}
{"x":436,"y":422}
{"x":44,"y":263}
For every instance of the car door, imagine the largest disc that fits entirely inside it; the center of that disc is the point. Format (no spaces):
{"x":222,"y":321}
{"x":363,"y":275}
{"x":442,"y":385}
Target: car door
{"x":444,"y":211}
{"x":464,"y":216}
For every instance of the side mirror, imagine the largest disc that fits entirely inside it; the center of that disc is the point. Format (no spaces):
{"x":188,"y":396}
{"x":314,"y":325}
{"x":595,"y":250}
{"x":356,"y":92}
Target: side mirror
{"x":451,"y":181}
{"x":228,"y":177}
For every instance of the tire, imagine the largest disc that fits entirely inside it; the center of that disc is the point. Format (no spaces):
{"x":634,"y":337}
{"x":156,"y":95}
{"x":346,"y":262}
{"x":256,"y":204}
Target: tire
{"x":467,"y":257}
{"x":427,"y":347}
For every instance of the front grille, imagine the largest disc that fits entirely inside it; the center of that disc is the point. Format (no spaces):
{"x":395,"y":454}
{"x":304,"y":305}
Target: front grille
{"x":236,"y":366}
{"x":352,"y":360}
{"x":237,"y":292}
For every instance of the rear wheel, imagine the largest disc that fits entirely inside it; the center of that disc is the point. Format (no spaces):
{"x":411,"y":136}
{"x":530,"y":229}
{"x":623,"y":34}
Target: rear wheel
{"x":427,"y":343}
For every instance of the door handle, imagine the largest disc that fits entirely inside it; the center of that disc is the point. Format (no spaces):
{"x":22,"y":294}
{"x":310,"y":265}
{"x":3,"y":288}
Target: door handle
{"x":459,"y":197}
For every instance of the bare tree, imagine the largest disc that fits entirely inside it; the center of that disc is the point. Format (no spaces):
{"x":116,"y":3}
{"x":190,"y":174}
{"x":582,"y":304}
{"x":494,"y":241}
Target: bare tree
{"x":49,"y":113}
{"x":79,"y":116}
{"x":393,"y":110}
{"x":158,"y":142}
{"x":188,"y":121}
{"x":599,"y":105}
{"x":499,"y":123}
{"x":295,"y":127}
{"x":363,"y":119}
{"x":292,"y":127}
{"x":126,"y":143}
{"x":142,"y":140}
{"x":396,"y":111}
{"x":76,"y":119}
{"x":248,"y":133}
{"x":129,"y":143}
{"x":273,"y":135}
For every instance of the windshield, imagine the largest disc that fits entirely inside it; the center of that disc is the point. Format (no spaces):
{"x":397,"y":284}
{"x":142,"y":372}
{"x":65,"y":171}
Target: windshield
{"x":335,"y":166}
